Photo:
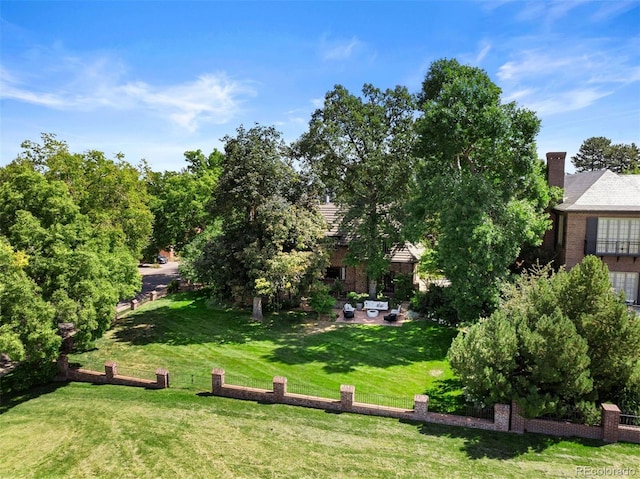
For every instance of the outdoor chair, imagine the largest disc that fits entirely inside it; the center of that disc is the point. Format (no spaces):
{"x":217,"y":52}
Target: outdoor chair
{"x":393,"y":314}
{"x":348,"y":311}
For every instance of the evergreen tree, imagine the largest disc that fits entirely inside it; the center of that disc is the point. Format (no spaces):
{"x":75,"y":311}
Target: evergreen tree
{"x":598,"y":153}
{"x":559,"y":340}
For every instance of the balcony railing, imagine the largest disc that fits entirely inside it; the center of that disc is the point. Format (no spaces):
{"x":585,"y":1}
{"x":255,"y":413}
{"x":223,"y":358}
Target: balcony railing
{"x":612,"y":248}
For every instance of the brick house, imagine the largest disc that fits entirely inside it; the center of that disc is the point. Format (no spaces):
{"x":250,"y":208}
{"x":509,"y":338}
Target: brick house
{"x":599,"y":215}
{"x":404,"y":259}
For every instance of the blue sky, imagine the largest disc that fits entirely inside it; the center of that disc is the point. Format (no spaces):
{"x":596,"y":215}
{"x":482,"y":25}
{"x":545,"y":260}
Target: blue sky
{"x":153,"y":79}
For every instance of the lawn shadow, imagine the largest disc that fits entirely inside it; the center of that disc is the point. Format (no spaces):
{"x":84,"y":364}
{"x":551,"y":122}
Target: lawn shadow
{"x":11,"y":399}
{"x":446,"y":396}
{"x":299,"y":339}
{"x":481,"y":444}
{"x":343,"y":348}
{"x":196,"y":323}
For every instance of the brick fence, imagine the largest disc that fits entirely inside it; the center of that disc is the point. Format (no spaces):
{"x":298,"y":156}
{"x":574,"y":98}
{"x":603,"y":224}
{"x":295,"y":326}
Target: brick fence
{"x":507,"y":418}
{"x":609,"y":430}
{"x":347,"y":403}
{"x":110,"y":376}
{"x":136,"y":303}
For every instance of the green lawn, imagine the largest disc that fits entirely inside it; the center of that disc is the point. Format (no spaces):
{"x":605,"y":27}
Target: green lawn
{"x":182,"y":334}
{"x":79,"y":430}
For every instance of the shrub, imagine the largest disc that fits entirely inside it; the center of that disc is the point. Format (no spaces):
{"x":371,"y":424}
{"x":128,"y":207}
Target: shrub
{"x":173,"y":286}
{"x":321,"y":301}
{"x":436,"y":304}
{"x":354,"y":297}
{"x":27,"y":375}
{"x":404,"y":288}
{"x":337,"y":288}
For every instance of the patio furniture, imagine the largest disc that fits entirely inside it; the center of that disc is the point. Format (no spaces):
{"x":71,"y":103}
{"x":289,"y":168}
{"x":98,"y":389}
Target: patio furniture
{"x":372,"y":313}
{"x":379,"y":305}
{"x":348,"y":311}
{"x":393,"y":314}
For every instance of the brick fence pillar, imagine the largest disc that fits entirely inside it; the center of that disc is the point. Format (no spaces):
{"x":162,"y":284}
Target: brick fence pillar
{"x":162,"y":378}
{"x":420,"y":406}
{"x":279,"y":388}
{"x":501,"y":416}
{"x":111,"y":370}
{"x":610,"y":422}
{"x":134,"y":304}
{"x":517,"y":420}
{"x":217,"y":380}
{"x":347,"y":393}
{"x":153,"y":295}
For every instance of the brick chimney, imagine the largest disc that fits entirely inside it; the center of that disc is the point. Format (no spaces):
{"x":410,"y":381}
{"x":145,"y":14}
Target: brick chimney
{"x":555,"y":168}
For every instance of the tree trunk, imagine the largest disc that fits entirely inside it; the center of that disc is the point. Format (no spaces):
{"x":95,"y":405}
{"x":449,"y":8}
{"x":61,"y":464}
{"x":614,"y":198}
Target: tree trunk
{"x":373,"y":288}
{"x":257,"y":309}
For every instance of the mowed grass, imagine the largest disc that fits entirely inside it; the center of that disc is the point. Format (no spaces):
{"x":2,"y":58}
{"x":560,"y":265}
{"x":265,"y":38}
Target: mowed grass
{"x":183,"y":335}
{"x":80,"y":430}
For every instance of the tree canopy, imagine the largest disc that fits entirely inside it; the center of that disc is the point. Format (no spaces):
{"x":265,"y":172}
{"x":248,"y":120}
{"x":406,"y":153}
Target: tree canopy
{"x":360,"y":149}
{"x":109,"y":192}
{"x":598,"y":153}
{"x":180,"y":200}
{"x":27,"y":329}
{"x":271,"y":229}
{"x":558,"y":340}
{"x":478,"y":179}
{"x":78,"y":238}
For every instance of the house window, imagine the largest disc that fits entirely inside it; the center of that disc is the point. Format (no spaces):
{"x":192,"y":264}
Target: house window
{"x":560,"y":239}
{"x":627,"y":282}
{"x":335,"y":272}
{"x":618,"y":236}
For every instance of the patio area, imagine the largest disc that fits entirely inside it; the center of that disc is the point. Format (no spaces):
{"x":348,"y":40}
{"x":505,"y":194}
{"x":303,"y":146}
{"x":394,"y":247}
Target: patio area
{"x":360,"y":317}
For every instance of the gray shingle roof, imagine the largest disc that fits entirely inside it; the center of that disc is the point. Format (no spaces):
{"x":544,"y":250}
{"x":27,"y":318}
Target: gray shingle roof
{"x":601,"y":191}
{"x":409,"y":253}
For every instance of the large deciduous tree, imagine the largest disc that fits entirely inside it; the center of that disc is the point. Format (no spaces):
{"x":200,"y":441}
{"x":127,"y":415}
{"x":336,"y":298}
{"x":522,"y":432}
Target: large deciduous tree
{"x":271,"y":229}
{"x":180,"y":200}
{"x":597,"y":153}
{"x":360,"y":149}
{"x":76,"y":224}
{"x":558,"y":340}
{"x":27,"y":330}
{"x":479,"y":179}
{"x":109,"y":192}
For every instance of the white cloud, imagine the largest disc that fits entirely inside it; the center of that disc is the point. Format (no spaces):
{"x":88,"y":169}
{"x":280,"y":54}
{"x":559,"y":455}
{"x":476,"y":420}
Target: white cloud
{"x":560,"y":78}
{"x":532,"y":63}
{"x":486,"y":48}
{"x":570,"y":100}
{"x":612,"y":9}
{"x":338,"y":50}
{"x":549,"y":11}
{"x":73,"y":84}
{"x":211,"y":97}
